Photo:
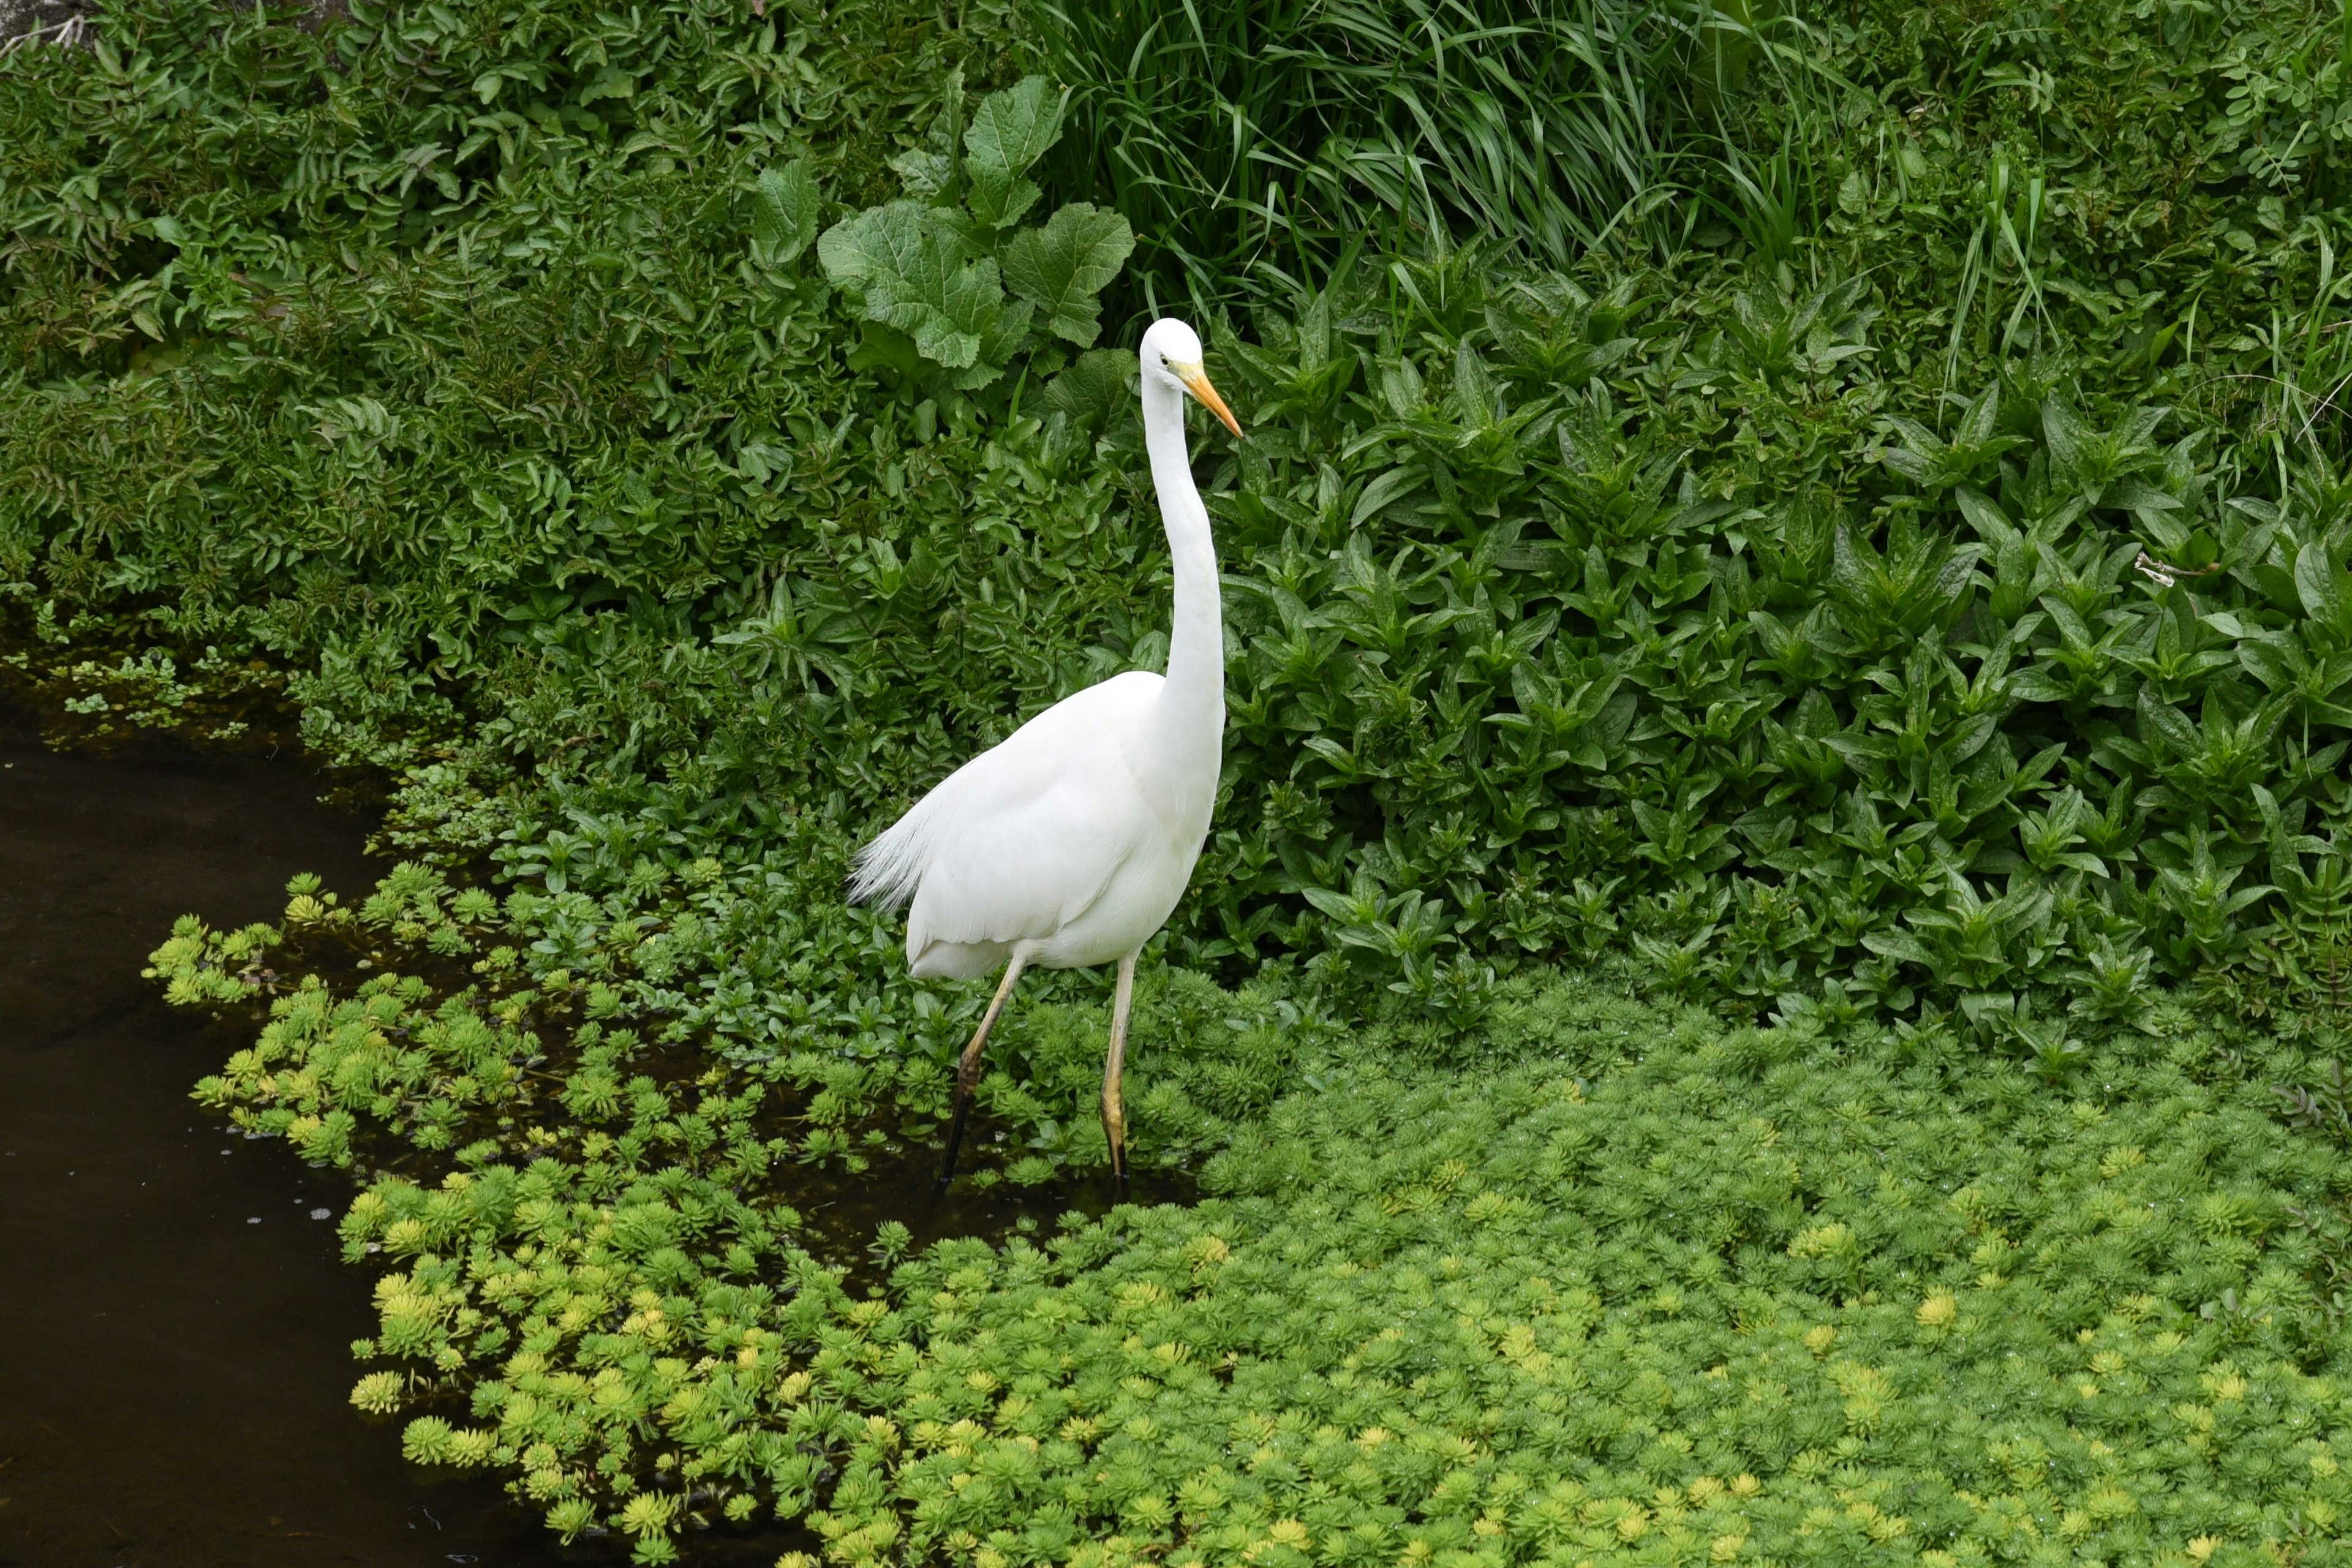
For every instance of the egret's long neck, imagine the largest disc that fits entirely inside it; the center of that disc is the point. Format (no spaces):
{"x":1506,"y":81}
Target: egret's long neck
{"x":1193,"y":704}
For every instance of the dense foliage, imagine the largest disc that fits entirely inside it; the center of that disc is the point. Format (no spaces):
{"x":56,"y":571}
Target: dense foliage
{"x":1894,"y":583}
{"x":1836,"y":635}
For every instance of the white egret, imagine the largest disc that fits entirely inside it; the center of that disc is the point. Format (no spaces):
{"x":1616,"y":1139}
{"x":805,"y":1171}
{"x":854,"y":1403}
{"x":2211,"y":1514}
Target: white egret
{"x":1068,"y":845}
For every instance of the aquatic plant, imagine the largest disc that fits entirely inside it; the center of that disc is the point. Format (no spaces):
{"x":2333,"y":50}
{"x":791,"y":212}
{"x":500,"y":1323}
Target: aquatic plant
{"x":1660,"y":1286}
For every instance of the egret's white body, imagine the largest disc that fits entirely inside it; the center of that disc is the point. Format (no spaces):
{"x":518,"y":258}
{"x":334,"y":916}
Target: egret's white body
{"x":1073,"y":839}
{"x":1067,"y":845}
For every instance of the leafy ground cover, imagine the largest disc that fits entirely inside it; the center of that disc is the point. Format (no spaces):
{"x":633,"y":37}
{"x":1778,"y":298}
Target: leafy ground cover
{"x":1658,"y":1291}
{"x":1864,"y":536}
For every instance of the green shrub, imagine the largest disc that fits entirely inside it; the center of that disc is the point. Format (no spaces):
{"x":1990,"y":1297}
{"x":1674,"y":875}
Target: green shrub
{"x":1681,"y":608}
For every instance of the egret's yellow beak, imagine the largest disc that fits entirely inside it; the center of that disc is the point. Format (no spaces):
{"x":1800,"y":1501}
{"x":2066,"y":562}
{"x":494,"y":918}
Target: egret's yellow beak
{"x":1196,"y":382}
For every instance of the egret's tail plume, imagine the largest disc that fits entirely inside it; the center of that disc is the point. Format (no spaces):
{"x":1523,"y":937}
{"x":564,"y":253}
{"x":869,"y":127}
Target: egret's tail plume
{"x":888,"y":869}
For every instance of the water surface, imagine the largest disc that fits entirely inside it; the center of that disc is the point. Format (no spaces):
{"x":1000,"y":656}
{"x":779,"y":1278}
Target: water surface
{"x":175,"y":1318}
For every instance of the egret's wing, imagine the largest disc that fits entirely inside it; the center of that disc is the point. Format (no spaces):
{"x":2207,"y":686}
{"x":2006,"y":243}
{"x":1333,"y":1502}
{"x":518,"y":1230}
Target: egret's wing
{"x":1025,"y":869}
{"x":1070,"y":746}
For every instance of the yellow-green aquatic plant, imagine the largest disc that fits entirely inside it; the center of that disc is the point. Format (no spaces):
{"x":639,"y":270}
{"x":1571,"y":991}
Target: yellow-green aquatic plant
{"x":1659,"y":1287}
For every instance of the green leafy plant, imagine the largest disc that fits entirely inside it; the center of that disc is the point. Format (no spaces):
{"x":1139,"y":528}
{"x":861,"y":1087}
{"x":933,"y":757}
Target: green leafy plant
{"x":929,"y":276}
{"x":1723,"y":1288}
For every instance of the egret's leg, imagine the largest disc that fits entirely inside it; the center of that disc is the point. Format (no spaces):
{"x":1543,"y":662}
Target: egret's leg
{"x":968,"y":1070}
{"x":1114,"y":1109}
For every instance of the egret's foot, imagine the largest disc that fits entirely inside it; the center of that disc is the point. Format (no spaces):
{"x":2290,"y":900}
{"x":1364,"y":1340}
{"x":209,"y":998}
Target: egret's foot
{"x":955,"y":1130}
{"x":1114,"y":1104}
{"x":968,"y":1068}
{"x":1114,"y":1134}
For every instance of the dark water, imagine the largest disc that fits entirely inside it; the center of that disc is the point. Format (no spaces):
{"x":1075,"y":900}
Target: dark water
{"x":174,"y":1324}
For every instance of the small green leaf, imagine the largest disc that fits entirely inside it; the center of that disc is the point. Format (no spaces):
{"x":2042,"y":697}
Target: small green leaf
{"x":609,"y":83}
{"x":2163,"y":721}
{"x":2318,"y":584}
{"x":1385,"y":489}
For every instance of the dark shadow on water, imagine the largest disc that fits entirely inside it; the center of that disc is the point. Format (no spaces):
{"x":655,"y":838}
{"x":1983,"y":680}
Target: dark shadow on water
{"x":174,"y":1324}
{"x":843,"y":1210}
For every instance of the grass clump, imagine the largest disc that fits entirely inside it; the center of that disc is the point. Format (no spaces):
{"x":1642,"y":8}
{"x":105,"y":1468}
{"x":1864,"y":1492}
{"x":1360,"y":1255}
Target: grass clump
{"x":1237,"y":138}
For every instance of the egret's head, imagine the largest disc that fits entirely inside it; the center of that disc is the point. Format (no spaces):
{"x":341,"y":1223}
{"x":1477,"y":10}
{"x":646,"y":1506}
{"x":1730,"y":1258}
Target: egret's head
{"x":1172,"y":352}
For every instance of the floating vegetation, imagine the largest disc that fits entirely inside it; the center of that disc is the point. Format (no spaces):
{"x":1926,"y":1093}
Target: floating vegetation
{"x":1658,"y":1286}
{"x":134,"y":688}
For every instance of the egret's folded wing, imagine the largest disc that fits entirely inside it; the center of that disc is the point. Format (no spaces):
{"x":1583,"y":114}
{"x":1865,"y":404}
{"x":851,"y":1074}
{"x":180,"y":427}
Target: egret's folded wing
{"x":1072,"y":744}
{"x":1027,"y":869}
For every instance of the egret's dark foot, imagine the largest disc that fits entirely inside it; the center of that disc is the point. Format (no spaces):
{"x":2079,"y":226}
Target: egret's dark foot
{"x":1114,"y":1134}
{"x":968,"y":1070}
{"x":955,"y":1131}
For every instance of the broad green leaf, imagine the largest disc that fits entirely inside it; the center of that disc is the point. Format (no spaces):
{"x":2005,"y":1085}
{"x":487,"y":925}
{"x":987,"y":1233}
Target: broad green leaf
{"x":1061,"y":267}
{"x":1003,"y":327}
{"x":925,"y":172}
{"x":885,"y":347}
{"x":869,"y":250}
{"x":911,"y":274}
{"x":1011,"y":132}
{"x":784,"y":213}
{"x":999,"y":200}
{"x":1096,"y":389}
{"x":1014,"y":128}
